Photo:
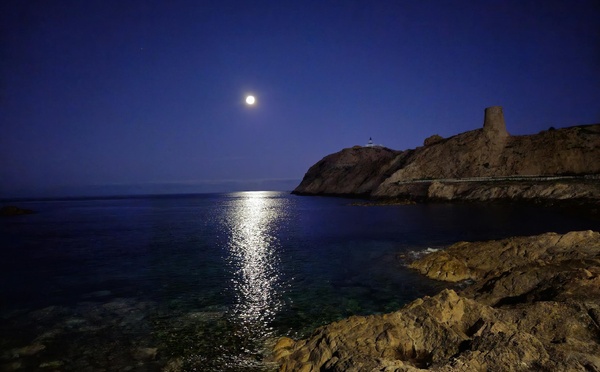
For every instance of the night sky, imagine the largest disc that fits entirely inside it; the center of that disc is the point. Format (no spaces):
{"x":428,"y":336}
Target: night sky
{"x":118,"y":97}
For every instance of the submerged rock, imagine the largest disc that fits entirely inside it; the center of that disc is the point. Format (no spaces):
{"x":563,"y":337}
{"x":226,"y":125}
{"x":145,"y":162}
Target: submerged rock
{"x":144,"y":353}
{"x":52,"y":365}
{"x":534,"y":305}
{"x":31,"y":349}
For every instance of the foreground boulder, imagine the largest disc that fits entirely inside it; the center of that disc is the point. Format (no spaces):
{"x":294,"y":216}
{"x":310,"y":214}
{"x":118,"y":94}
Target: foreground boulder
{"x":537,"y":308}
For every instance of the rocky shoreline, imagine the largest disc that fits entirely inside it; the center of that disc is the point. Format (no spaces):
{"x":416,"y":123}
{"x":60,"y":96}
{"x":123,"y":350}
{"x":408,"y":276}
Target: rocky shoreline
{"x":567,"y":191}
{"x":530,"y":303}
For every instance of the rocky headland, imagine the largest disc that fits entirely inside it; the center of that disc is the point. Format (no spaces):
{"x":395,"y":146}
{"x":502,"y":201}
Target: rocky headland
{"x":479,"y":165}
{"x":529,"y":303}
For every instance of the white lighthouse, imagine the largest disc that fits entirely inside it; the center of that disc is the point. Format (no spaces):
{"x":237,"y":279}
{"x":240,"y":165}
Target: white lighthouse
{"x":371,"y":144}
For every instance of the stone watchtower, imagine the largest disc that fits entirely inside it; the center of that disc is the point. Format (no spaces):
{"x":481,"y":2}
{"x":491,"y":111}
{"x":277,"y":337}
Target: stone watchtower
{"x":494,"y":127}
{"x":494,"y":139}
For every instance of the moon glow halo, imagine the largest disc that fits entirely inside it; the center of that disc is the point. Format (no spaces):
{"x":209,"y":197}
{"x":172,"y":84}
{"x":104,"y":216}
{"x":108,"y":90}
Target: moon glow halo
{"x":250,"y":100}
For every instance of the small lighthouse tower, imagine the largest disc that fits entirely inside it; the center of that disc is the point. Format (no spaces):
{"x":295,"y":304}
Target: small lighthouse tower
{"x":370,"y":143}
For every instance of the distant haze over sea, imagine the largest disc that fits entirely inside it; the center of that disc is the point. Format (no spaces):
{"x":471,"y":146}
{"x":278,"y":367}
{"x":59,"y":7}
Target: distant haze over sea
{"x":189,"y":187}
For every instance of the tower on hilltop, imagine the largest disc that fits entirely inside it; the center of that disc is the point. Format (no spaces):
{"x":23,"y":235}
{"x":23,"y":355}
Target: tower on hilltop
{"x":493,"y":123}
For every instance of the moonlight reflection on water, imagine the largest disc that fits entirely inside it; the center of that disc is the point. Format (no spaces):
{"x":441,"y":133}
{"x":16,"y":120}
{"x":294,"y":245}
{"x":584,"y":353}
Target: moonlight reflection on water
{"x":209,"y":282}
{"x":255,"y":263}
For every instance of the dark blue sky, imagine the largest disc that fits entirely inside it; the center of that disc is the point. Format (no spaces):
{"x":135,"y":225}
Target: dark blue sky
{"x":148,"y":96}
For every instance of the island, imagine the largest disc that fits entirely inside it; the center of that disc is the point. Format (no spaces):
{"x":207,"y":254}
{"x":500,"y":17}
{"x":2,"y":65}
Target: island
{"x":486,"y":164}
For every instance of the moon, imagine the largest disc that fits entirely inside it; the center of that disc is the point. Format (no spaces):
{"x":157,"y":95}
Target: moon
{"x":250,"y":100}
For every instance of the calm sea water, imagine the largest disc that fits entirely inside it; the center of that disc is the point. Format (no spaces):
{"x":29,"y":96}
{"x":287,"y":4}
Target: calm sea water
{"x":209,"y":282}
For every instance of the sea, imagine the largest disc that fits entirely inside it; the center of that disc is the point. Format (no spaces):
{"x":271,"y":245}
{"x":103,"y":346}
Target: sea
{"x":209,"y":282}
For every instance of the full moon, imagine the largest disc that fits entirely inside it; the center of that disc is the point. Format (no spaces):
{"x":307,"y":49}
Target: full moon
{"x":250,"y":100}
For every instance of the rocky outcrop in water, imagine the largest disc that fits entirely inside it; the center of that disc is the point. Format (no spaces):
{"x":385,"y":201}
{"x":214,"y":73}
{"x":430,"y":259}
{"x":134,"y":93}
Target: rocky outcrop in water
{"x":534,"y":304}
{"x":11,"y":210}
{"x":478,"y":260}
{"x":483,"y":164}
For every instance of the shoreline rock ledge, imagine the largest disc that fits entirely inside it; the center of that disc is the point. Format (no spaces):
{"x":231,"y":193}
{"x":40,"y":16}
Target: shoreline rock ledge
{"x":533,"y":303}
{"x":479,"y":165}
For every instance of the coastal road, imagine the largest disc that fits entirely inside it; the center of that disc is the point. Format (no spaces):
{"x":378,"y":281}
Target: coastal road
{"x":499,"y":179}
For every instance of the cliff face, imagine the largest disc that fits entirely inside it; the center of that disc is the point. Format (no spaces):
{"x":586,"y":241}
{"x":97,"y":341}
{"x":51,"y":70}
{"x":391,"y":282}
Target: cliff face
{"x":489,"y":153}
{"x":354,"y":171}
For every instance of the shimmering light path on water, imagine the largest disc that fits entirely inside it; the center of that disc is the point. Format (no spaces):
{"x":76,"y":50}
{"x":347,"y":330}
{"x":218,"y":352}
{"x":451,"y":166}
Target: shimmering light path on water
{"x":254,"y":260}
{"x":208,"y":282}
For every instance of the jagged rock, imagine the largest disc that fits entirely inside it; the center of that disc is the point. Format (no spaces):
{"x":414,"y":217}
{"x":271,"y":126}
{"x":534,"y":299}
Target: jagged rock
{"x":477,"y":260}
{"x":431,"y":140}
{"x":534,"y":305}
